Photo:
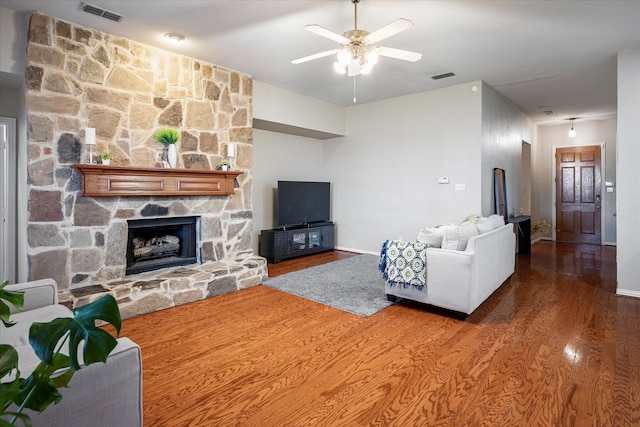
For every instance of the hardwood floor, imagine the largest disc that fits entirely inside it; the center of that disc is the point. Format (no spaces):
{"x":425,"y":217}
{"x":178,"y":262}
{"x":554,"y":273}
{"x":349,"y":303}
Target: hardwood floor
{"x":554,"y":346}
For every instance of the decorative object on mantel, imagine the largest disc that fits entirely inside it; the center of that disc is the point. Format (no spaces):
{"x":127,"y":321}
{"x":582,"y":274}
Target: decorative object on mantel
{"x":89,"y":143}
{"x":106,"y":158}
{"x":224,"y":165}
{"x":169,"y":137}
{"x":231,"y":154}
{"x":100,"y":181}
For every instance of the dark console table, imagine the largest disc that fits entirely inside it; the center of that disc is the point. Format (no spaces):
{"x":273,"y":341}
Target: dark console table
{"x":523,"y":233}
{"x":278,"y":244}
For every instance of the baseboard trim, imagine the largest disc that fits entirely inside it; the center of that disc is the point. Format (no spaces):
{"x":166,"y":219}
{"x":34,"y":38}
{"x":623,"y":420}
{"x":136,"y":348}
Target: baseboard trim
{"x":628,"y":293}
{"x":541,"y":238}
{"x":355,"y":251}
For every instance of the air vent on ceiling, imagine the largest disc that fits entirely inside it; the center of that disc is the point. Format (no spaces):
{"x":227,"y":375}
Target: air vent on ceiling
{"x":442,"y":76}
{"x":547,"y":110}
{"x":104,"y":13}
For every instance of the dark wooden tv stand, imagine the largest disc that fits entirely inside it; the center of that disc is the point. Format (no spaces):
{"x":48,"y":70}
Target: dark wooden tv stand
{"x":283,"y":243}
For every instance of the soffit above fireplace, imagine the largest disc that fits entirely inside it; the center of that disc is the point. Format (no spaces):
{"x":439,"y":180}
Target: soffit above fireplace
{"x":111,"y":181}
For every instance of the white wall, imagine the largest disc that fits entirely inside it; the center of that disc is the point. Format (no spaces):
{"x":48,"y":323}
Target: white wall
{"x":628,"y":184}
{"x":280,"y":157}
{"x":504,"y":128}
{"x":593,"y":132}
{"x":273,"y":106}
{"x":13,"y":41}
{"x":385,"y":172}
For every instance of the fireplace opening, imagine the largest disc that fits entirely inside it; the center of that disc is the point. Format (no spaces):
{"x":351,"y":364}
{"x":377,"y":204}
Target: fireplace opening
{"x":159,"y":243}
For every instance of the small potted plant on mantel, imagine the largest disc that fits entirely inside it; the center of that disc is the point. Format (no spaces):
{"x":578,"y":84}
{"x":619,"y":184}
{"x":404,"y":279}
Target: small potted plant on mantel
{"x":169,"y":137}
{"x":106,"y":158}
{"x":224,"y":165}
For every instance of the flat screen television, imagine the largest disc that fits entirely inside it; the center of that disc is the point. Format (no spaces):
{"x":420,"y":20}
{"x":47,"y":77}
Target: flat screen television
{"x":302,"y":202}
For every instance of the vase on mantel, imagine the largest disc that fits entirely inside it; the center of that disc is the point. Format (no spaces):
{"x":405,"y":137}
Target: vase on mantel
{"x":172,"y":155}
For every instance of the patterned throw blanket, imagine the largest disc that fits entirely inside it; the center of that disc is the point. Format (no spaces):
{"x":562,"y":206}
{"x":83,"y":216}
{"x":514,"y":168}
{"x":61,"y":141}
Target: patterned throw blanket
{"x":404,"y":263}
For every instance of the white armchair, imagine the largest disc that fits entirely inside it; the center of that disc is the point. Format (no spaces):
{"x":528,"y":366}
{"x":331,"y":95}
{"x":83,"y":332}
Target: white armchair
{"x":102,"y":394}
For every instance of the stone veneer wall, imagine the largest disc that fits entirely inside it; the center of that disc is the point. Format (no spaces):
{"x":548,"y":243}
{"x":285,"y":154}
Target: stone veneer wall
{"x":78,"y":77}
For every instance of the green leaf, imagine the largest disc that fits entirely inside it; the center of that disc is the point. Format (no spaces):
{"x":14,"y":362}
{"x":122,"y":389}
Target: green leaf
{"x":40,"y":389}
{"x":15,"y":298}
{"x":44,"y":337}
{"x":8,"y":359}
{"x":25,"y":419}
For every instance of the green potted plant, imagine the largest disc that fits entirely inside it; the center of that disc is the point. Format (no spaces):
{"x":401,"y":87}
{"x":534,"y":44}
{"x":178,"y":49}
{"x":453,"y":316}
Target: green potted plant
{"x":106,"y":158}
{"x":224,"y":165}
{"x":40,"y":389}
{"x":169,"y":137}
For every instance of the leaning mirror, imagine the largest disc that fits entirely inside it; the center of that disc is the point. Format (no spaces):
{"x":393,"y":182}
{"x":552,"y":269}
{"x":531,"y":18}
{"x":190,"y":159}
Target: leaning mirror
{"x":500,"y":192}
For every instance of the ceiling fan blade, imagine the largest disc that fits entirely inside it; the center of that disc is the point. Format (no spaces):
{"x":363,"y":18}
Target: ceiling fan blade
{"x":395,"y":27}
{"x":315,"y":56}
{"x":405,"y":55}
{"x":321,"y":31}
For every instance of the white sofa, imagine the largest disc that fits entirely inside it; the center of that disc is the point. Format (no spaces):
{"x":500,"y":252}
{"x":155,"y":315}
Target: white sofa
{"x":461,"y":280}
{"x":101,"y":394}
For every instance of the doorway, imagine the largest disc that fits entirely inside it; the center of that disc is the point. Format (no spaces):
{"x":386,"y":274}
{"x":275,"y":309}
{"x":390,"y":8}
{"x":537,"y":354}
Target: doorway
{"x":525,"y":178}
{"x":7,"y":195}
{"x":578,"y":194}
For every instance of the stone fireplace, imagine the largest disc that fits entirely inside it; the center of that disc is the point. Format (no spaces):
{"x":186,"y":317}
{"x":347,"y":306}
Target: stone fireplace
{"x":77,"y":77}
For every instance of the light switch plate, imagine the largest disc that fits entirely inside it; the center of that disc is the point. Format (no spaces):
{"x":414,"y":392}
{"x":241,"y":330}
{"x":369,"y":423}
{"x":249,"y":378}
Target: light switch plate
{"x":460,"y":187}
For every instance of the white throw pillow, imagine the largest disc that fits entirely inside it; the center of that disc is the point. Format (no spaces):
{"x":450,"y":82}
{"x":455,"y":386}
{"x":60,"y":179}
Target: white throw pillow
{"x":485,"y":225}
{"x":472,"y":218}
{"x":498,"y":220}
{"x":432,"y":236}
{"x":456,"y":237}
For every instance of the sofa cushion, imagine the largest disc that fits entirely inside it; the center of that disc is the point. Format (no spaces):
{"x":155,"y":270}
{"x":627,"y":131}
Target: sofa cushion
{"x":456,"y":237}
{"x":432,"y":236}
{"x":18,"y":335}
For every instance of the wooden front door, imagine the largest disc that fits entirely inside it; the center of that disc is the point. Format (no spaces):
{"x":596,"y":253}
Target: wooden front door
{"x":578,"y":198}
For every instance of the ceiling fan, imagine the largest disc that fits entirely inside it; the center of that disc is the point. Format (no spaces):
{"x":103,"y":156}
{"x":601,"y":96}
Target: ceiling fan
{"x":358,"y":52}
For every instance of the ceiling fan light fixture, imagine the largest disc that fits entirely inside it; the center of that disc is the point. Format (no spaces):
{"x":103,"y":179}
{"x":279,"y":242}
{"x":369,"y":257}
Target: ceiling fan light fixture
{"x":339,"y":68}
{"x":344,"y":57}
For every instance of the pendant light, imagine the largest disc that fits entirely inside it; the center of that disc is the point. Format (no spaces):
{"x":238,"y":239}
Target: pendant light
{"x":572,"y":131}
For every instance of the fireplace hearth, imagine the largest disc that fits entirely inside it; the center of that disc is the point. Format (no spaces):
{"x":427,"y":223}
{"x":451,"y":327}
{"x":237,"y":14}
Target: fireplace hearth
{"x":160,"y":243}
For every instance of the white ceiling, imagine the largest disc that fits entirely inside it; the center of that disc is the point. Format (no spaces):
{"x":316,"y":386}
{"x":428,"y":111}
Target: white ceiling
{"x":558,"y":54}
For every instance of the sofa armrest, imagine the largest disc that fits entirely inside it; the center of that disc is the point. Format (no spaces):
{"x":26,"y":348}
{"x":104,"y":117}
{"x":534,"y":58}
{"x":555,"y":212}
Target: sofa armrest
{"x":450,"y":278}
{"x":101,"y":394}
{"x":38,"y":293}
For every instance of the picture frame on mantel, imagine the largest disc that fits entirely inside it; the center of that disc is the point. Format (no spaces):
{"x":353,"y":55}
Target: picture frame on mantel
{"x":500,"y":193}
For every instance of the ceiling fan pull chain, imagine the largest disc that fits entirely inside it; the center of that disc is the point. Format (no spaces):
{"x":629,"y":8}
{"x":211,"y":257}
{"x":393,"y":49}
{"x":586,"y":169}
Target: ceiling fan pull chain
{"x":354,"y":88}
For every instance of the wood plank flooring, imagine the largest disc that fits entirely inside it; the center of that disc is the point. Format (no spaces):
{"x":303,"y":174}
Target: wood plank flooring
{"x":554,"y":346}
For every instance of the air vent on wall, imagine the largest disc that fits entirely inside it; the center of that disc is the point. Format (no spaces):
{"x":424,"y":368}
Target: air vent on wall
{"x":442,"y":76}
{"x":104,"y":13}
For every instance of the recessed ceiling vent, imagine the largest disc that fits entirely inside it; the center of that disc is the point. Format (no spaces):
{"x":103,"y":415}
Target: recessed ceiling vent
{"x":443,"y":75}
{"x":104,"y":13}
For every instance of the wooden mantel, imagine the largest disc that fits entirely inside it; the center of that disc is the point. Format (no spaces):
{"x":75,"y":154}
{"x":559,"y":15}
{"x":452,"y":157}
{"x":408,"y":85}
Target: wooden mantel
{"x":111,"y":181}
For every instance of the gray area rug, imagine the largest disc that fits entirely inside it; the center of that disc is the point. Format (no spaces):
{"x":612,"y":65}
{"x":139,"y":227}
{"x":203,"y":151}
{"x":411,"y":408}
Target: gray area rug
{"x":352,"y":284}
